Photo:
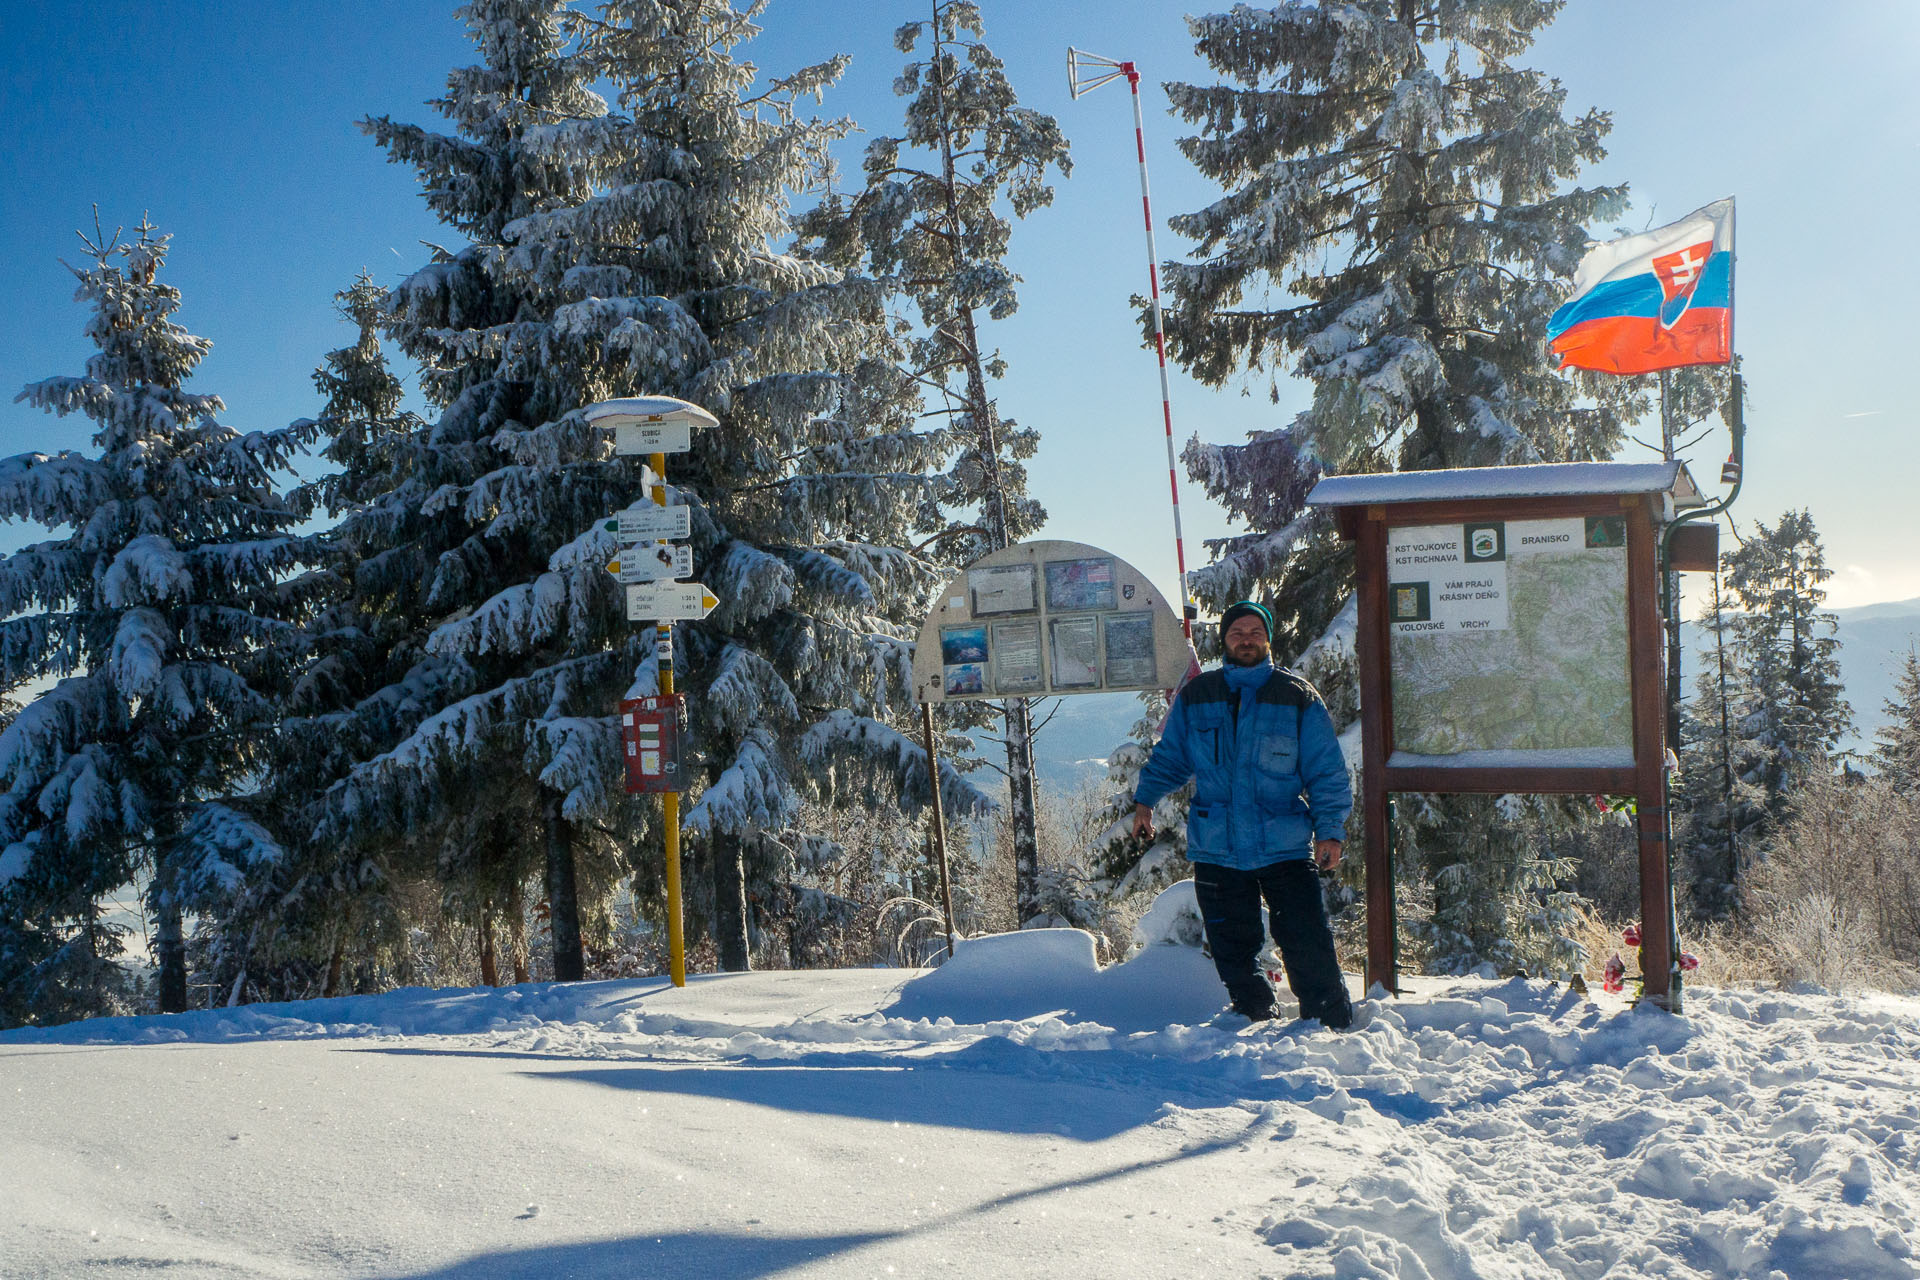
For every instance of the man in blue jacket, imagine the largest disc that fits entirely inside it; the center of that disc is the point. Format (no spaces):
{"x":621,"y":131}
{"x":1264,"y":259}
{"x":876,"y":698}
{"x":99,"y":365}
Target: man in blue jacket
{"x":1270,"y":804}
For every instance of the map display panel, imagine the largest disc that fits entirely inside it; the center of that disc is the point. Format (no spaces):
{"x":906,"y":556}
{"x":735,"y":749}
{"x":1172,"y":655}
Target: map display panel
{"x":1509,"y":636}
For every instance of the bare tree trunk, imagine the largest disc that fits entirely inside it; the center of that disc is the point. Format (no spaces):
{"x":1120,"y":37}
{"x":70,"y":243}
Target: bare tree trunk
{"x":1026,"y":843}
{"x":489,"y":961}
{"x":517,"y":927}
{"x":730,"y":904}
{"x":335,"y":962}
{"x":563,"y":900}
{"x":170,"y":953}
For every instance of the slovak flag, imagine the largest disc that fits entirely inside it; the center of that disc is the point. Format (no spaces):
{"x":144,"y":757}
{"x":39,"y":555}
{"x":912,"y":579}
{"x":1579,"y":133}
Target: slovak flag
{"x":1659,"y":300}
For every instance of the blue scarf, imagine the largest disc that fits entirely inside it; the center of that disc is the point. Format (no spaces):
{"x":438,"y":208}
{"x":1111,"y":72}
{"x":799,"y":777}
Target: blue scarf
{"x":1248,"y":680}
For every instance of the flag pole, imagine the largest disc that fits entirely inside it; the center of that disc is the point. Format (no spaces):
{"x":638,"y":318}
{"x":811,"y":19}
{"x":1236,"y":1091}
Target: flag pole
{"x":1110,"y":70}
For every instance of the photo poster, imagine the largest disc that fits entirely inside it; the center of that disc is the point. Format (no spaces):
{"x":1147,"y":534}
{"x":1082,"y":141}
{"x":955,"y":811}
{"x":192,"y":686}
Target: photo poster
{"x":1017,"y":666}
{"x":1080,"y":584}
{"x":1076,"y":652}
{"x":1002,"y":589}
{"x":1129,"y":649}
{"x":963,"y":660}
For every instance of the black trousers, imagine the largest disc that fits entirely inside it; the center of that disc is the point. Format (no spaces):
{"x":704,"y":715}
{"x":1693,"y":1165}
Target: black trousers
{"x":1230,"y":906}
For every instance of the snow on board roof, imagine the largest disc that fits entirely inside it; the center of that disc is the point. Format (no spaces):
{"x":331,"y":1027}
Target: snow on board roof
{"x":650,"y":407}
{"x":1537,"y":480}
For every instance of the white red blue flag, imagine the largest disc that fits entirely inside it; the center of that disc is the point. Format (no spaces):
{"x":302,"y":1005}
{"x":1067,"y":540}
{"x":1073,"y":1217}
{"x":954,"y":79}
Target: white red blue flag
{"x":1662,"y":299}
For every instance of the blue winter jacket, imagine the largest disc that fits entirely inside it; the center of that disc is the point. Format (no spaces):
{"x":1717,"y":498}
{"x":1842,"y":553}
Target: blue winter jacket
{"x":1270,"y":776}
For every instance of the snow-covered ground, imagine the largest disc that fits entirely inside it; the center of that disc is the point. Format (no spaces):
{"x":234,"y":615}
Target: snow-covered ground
{"x":1017,"y":1113}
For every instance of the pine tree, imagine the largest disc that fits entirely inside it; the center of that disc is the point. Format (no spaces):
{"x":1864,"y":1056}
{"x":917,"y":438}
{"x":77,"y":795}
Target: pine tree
{"x":1396,"y":224}
{"x":166,"y":616}
{"x":1896,"y":750}
{"x":818,"y":482}
{"x":1718,"y":809}
{"x":652,"y":264}
{"x":290,"y":937}
{"x":932,"y":225}
{"x":492,"y":753}
{"x":1788,"y":650}
{"x":1127,"y":866}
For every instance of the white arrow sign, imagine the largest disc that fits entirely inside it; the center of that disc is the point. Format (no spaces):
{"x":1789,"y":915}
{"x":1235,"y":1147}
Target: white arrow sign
{"x":652,"y":437}
{"x":644,"y":520}
{"x":669,"y":602}
{"x":653,"y":561}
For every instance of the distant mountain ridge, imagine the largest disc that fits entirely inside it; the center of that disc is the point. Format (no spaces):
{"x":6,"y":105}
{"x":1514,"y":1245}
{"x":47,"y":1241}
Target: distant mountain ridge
{"x":1874,"y":642}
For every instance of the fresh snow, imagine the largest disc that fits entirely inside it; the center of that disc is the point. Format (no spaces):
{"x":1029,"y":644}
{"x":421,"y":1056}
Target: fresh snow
{"x":1533,"y":480}
{"x":1519,"y":758}
{"x":1019,"y":1112}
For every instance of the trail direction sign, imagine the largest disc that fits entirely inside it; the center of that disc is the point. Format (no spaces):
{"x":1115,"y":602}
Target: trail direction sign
{"x":646,"y":520}
{"x":669,"y":602}
{"x":652,"y":562}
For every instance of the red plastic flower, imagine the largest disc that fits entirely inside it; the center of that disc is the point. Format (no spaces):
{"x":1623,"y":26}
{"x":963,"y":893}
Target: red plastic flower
{"x":1689,"y":962}
{"x":1632,"y":935}
{"x":1614,"y":976}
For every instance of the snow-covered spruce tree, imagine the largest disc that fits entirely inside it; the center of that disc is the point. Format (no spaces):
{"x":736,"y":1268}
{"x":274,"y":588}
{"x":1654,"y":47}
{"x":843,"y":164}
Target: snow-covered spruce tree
{"x":291,"y":938}
{"x":491,"y":756}
{"x":818,"y":481}
{"x":1125,"y":864}
{"x":1788,"y":650}
{"x":1719,"y":810}
{"x":164,"y":616}
{"x":1896,"y":747}
{"x":933,"y":223}
{"x":1398,"y":224}
{"x":650,"y":266}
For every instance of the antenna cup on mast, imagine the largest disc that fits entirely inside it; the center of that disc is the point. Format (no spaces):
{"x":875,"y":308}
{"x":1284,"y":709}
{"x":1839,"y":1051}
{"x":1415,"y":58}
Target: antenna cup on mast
{"x":1080,"y":80}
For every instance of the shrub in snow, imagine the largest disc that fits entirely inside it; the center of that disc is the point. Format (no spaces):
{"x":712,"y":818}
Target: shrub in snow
{"x":1823,"y":942}
{"x":1172,"y":920}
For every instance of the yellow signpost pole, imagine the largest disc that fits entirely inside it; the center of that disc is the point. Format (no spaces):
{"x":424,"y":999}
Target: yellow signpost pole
{"x":663,"y":650}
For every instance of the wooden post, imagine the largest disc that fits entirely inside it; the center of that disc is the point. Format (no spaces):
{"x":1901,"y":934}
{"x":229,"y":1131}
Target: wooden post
{"x":1649,"y":749}
{"x":1370,"y":566}
{"x":939,"y":820}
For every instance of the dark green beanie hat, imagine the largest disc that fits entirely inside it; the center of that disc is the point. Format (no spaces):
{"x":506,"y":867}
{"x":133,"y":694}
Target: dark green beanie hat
{"x":1242,"y":609}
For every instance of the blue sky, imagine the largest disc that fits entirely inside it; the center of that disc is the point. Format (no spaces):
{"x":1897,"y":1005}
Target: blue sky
{"x":232,"y":125}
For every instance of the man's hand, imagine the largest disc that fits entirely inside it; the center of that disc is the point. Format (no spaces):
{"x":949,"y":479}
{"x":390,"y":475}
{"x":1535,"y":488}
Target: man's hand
{"x":1142,"y":821}
{"x":1326,"y":854}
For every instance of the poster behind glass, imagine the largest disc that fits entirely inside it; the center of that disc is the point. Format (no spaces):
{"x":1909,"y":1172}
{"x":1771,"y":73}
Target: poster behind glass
{"x":1080,"y":584}
{"x":1003,"y":589}
{"x":1129,"y":649}
{"x":1016,"y":658}
{"x":1076,"y":652}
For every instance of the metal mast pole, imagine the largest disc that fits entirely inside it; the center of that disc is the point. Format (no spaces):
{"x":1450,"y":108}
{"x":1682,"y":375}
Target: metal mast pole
{"x":670,"y":819}
{"x":1076,"y":87}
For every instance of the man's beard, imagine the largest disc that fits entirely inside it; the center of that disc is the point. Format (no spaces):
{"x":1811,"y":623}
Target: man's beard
{"x":1258,"y":658}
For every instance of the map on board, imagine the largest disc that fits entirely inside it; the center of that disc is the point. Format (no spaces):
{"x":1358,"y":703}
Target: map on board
{"x":1509,"y":636}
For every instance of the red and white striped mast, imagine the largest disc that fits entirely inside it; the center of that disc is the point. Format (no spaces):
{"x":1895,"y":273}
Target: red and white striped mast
{"x":1086,"y":72}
